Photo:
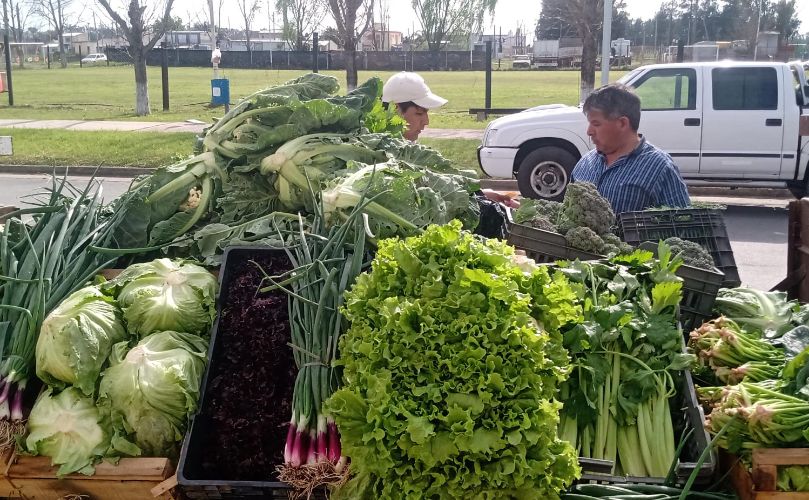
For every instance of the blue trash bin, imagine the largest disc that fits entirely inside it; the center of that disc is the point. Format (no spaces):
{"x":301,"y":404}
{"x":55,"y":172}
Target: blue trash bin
{"x":220,"y":91}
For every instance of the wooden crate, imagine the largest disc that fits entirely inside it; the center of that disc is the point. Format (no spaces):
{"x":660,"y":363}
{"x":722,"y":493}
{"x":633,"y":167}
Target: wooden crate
{"x":759,"y":483}
{"x":33,"y":478}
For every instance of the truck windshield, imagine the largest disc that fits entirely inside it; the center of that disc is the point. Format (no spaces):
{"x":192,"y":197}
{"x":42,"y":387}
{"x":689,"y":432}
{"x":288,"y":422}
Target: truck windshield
{"x":629,"y":77}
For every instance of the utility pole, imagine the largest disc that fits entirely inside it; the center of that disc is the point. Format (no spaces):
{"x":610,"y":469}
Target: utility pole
{"x":605,"y":43}
{"x":95,"y":28}
{"x":758,"y":27}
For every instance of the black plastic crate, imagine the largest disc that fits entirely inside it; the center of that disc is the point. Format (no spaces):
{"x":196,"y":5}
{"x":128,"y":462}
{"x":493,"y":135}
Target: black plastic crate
{"x":700,"y":287}
{"x":191,"y":477}
{"x":700,"y":225}
{"x":686,"y":414}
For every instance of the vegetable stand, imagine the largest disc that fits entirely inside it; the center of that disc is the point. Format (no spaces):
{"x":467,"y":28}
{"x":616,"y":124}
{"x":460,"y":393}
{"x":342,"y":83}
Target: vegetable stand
{"x":360,"y":340}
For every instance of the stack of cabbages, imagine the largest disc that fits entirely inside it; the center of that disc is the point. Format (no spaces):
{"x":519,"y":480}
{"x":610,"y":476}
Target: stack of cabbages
{"x":123,"y":361}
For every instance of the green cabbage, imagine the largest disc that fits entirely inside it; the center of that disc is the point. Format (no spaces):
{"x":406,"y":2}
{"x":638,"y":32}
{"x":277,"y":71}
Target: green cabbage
{"x":76,"y":339}
{"x":69,"y":428}
{"x":166,"y":295}
{"x":152,"y":389}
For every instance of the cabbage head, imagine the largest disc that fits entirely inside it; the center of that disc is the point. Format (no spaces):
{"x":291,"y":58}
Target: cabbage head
{"x":69,"y":428}
{"x":152,"y":389}
{"x":76,"y":339}
{"x":165,"y":295}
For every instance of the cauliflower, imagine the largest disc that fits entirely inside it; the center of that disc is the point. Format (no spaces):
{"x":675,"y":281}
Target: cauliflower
{"x":192,"y":202}
{"x":584,"y":206}
{"x":693,"y":254}
{"x":585,"y":239}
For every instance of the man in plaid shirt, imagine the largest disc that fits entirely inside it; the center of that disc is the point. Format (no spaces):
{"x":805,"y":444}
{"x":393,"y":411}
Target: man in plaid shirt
{"x":627,"y":170}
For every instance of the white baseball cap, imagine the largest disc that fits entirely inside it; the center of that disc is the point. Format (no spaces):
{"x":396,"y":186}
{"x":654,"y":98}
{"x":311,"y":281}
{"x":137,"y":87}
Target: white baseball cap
{"x":407,"y":86}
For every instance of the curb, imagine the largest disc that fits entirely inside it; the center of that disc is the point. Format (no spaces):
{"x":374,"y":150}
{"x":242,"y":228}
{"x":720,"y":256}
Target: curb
{"x":81,"y":170}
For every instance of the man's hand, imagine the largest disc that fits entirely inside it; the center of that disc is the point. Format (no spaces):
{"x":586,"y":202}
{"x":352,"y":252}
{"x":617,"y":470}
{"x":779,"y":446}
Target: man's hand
{"x":501,"y":198}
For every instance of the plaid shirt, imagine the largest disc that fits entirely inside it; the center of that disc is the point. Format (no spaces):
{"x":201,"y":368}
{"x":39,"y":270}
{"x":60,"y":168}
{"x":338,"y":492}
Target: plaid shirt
{"x":645,"y":178}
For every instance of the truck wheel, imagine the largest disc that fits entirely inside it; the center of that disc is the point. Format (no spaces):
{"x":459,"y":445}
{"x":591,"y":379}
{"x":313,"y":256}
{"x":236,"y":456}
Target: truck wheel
{"x":545,"y":173}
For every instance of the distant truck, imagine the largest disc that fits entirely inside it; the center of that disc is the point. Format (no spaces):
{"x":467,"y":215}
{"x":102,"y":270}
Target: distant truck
{"x":724,"y":123}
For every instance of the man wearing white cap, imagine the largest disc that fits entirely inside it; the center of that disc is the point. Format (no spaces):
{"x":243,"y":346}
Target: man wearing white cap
{"x":413,"y":100}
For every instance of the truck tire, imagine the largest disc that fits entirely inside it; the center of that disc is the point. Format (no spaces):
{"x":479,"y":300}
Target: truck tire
{"x":545,"y":173}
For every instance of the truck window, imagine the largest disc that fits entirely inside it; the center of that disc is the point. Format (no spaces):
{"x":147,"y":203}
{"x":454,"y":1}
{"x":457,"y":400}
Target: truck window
{"x":744,"y":89}
{"x":666,"y":89}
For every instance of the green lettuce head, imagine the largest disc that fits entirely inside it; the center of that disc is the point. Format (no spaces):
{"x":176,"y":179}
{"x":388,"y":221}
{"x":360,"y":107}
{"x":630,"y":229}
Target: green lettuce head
{"x":152,"y":389}
{"x":76,"y":339}
{"x":69,"y":428}
{"x":165,"y":295}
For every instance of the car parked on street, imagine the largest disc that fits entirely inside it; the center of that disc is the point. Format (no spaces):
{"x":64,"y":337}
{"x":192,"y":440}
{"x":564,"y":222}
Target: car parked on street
{"x":521,"y":62}
{"x":94,"y":58}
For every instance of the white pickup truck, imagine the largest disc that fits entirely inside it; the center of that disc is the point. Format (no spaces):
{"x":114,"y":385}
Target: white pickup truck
{"x":725,"y":123}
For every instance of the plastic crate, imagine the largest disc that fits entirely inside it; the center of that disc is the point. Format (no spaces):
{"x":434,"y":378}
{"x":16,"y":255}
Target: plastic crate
{"x":700,"y":287}
{"x":686,"y":414}
{"x":700,"y":225}
{"x":191,"y":477}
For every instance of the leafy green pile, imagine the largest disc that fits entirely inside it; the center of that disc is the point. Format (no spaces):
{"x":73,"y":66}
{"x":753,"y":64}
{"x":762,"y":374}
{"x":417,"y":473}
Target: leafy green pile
{"x":451,"y":364}
{"x":625,"y":354}
{"x":770,"y":314}
{"x":265,"y":161}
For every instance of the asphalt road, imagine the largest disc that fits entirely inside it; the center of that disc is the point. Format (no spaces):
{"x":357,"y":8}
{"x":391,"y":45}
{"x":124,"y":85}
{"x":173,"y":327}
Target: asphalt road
{"x":758,"y":234}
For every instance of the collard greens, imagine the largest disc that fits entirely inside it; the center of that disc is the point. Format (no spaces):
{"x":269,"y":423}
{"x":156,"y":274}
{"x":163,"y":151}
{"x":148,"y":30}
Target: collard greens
{"x":450,"y":365}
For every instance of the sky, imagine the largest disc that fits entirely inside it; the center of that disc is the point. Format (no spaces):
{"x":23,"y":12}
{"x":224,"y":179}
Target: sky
{"x":508,"y":15}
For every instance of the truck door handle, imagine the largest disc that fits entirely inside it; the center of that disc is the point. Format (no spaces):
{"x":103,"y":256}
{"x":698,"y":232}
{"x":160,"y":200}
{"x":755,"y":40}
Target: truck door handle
{"x":772,"y":122}
{"x":691,"y":122}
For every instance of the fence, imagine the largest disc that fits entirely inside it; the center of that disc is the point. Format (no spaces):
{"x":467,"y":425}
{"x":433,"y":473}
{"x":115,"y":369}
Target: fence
{"x":449,"y":60}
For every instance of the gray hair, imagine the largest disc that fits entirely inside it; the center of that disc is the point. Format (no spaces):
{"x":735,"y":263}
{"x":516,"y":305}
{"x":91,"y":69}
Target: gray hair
{"x":615,"y":100}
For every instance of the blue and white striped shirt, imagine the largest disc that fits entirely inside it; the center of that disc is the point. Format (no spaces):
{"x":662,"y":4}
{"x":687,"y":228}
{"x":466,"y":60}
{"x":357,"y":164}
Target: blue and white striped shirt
{"x":645,"y":178}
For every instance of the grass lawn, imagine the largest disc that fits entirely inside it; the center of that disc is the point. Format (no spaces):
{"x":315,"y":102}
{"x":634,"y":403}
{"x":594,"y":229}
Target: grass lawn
{"x":147,"y":149}
{"x":107,"y":93}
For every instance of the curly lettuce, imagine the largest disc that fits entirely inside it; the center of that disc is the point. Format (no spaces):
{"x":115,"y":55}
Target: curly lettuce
{"x":450,"y":366}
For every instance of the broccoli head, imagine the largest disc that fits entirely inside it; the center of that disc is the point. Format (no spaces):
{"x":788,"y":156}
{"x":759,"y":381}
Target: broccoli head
{"x":530,"y":209}
{"x":611,"y":239}
{"x":543,"y":223}
{"x":584,"y":206}
{"x":585,"y":239}
{"x":693,"y":254}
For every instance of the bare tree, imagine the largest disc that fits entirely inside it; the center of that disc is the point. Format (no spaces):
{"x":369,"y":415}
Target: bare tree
{"x":352,"y":18}
{"x":54,"y":11}
{"x":586,"y":17}
{"x":301,"y":19}
{"x":248,"y":9}
{"x":444,"y":20}
{"x":142,"y":33}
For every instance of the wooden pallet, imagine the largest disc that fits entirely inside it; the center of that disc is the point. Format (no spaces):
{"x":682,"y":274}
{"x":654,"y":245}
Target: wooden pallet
{"x":33,"y":478}
{"x":759,"y":483}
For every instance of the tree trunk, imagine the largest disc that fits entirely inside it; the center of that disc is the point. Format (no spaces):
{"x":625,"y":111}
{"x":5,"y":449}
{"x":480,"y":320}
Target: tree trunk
{"x":141,"y":85}
{"x":351,"y":67}
{"x":62,"y":51}
{"x":588,"y":64}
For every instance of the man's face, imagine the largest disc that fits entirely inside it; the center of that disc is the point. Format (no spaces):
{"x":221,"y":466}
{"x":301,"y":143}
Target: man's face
{"x":608,"y":135}
{"x":416,"y":118}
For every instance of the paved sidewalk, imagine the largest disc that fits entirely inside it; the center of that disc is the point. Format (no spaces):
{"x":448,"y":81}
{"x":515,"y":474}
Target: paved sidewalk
{"x":193,"y":126}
